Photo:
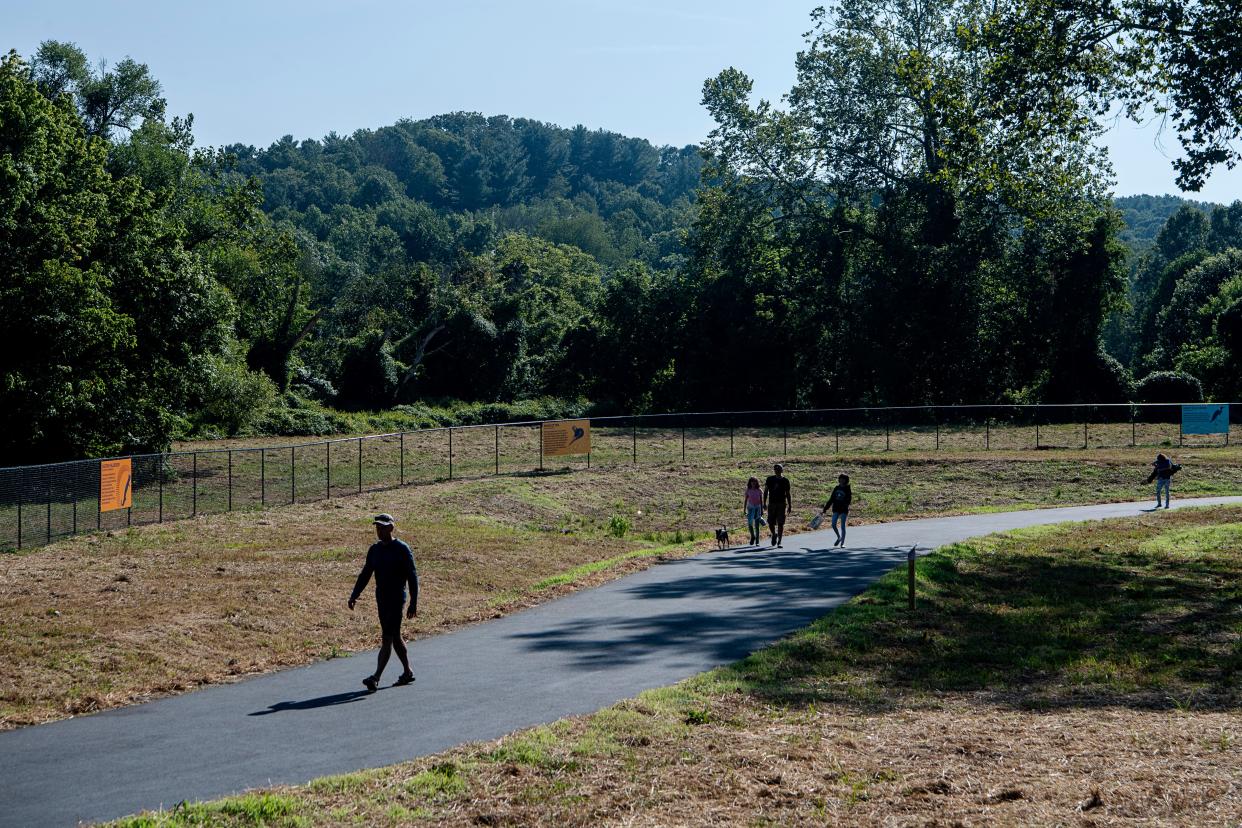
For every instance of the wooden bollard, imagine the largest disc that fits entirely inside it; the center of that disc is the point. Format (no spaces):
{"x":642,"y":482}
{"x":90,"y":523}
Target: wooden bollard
{"x":910,"y":557}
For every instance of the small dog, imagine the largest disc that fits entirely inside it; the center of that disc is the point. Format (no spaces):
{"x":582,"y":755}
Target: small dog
{"x":722,"y":538}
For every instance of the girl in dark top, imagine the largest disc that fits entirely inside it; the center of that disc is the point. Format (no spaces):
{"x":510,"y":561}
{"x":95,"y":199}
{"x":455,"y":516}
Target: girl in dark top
{"x":839,"y":501}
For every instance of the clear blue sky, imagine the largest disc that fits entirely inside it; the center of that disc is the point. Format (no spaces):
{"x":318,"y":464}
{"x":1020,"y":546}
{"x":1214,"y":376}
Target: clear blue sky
{"x":252,"y":72}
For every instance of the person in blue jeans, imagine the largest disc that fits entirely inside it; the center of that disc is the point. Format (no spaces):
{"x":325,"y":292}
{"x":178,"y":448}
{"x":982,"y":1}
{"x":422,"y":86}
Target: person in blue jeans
{"x":839,"y":501}
{"x":1162,"y":472}
{"x":754,"y":509}
{"x":391,"y":561}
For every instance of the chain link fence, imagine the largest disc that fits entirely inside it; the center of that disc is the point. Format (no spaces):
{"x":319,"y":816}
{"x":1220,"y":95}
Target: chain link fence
{"x":40,"y":504}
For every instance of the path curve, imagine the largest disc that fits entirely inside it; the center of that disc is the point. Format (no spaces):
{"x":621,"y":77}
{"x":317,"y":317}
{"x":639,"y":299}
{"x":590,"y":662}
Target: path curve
{"x":574,"y":655}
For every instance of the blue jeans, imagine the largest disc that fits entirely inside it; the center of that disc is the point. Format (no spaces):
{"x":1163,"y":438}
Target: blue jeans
{"x":843,"y":517}
{"x":753,"y":513}
{"x":1163,"y":483}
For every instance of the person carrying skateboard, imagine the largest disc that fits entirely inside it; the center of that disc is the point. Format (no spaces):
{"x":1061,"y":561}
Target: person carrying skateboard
{"x":1162,"y":472}
{"x":839,"y":501}
{"x":391,"y":561}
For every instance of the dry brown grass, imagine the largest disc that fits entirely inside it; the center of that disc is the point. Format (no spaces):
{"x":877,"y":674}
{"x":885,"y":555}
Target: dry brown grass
{"x":964,"y":764}
{"x":97,"y":622}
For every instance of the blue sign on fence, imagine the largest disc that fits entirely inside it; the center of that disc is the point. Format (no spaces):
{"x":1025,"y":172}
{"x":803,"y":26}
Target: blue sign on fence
{"x":1205,"y":419}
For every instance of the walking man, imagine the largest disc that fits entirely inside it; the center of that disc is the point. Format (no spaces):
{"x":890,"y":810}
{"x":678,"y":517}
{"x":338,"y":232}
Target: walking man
{"x":392,"y":563}
{"x":778,"y":501}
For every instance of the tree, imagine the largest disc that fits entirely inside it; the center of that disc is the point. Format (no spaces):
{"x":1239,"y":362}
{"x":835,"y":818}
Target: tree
{"x":108,"y":317}
{"x":1176,"y":59}
{"x":894,"y":176}
{"x":107,"y":99}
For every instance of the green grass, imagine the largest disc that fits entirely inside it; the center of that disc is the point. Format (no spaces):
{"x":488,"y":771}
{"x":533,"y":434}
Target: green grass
{"x":580,"y":572}
{"x":1138,"y":612}
{"x":263,"y":810}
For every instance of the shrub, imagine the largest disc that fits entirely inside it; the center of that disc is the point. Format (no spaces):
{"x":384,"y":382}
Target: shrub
{"x":1168,"y":387}
{"x":1096,"y":378}
{"x":233,"y":396}
{"x":618,"y":526}
{"x":295,"y":417}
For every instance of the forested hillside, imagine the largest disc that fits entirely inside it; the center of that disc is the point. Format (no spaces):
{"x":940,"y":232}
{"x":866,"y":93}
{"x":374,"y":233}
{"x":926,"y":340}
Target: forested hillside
{"x":1145,"y":215}
{"x":429,"y":190}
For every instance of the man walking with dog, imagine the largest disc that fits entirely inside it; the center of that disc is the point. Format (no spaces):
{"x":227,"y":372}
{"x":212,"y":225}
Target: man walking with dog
{"x":391,"y":561}
{"x":778,"y":501}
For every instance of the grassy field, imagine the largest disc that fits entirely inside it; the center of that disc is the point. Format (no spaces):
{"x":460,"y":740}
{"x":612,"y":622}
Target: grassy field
{"x":209,"y":477}
{"x":109,"y":619}
{"x":1085,"y":674}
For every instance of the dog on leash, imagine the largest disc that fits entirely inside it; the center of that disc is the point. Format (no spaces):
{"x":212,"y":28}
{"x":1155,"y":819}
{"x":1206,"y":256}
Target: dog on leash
{"x":722,"y":538}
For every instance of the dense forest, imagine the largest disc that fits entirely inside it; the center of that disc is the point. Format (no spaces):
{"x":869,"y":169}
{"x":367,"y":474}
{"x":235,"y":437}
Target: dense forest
{"x":1145,"y":215}
{"x":925,"y":220}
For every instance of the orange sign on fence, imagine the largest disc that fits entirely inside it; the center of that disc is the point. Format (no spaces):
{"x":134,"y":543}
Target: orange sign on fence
{"x":116,"y":484}
{"x":569,"y":437}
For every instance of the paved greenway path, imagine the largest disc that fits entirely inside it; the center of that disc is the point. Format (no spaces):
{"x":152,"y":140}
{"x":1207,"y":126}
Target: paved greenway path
{"x":574,"y":655}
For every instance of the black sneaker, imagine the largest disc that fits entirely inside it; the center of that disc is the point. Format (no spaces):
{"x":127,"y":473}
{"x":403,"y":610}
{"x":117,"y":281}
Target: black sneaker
{"x":371,"y":683}
{"x":403,"y":680}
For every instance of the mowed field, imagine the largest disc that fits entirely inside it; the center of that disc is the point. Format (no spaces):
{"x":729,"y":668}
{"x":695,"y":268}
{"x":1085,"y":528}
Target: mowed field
{"x":1083,"y":674}
{"x":109,"y":619}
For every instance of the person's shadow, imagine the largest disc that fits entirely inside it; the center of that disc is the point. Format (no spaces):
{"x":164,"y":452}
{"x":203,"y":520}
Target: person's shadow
{"x":312,"y":704}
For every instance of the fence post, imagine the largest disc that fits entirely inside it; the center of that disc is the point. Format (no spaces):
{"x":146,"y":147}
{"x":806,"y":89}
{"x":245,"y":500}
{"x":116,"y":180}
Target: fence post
{"x":293,"y":475}
{"x":987,"y":433}
{"x":541,"y":447}
{"x":910,"y":558}
{"x":194,"y":485}
{"x":401,"y":452}
{"x":49,"y":505}
{"x":262,"y":477}
{"x":230,"y":480}
{"x":1133,"y":434}
{"x":683,"y":444}
{"x":1036,"y":430}
{"x":887,"y":428}
{"x":98,"y":505}
{"x":359,"y":465}
{"x":21,"y":495}
{"x":731,"y":440}
{"x":451,"y":449}
{"x":497,"y":449}
{"x":1084,"y":431}
{"x":327,"y":467}
{"x":160,"y":478}
{"x":634,"y":434}
{"x":785,"y":439}
{"x":936,"y":420}
{"x":75,"y":507}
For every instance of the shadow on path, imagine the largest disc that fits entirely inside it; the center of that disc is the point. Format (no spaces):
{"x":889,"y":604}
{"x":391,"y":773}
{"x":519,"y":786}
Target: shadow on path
{"x":679,"y":618}
{"x":313,"y":704}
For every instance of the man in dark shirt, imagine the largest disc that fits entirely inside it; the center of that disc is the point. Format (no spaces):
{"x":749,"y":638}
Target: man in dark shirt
{"x":778,"y":501}
{"x":392,"y":563}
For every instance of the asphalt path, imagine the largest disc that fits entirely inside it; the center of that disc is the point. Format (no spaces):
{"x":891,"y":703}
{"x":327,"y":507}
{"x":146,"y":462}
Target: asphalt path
{"x":570,"y":656}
